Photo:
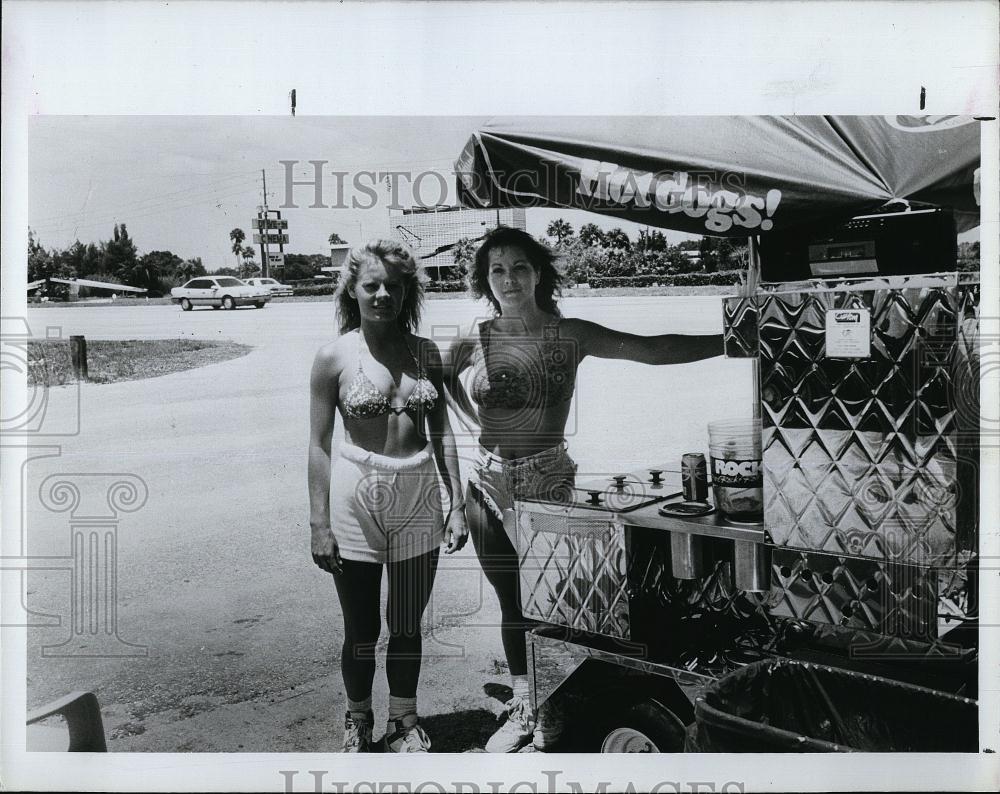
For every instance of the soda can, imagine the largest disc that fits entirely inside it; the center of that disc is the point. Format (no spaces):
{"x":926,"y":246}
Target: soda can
{"x":694,"y":477}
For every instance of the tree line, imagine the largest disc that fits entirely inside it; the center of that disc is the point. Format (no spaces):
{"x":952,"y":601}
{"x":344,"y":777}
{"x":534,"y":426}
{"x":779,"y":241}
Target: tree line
{"x":118,"y":261}
{"x":594,"y":254}
{"x":590,"y":255}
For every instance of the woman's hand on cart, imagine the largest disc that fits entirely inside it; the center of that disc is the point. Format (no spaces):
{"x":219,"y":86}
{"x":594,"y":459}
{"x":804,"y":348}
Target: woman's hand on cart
{"x":325,"y":551}
{"x":456,"y":531}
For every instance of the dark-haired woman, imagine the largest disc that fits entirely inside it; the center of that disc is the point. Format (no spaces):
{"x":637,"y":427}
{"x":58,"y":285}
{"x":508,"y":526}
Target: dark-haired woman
{"x":385,"y":506}
{"x":524,"y":363}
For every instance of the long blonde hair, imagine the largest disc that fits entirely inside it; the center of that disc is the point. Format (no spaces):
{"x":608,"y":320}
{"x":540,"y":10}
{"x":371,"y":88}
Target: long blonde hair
{"x":393,"y":254}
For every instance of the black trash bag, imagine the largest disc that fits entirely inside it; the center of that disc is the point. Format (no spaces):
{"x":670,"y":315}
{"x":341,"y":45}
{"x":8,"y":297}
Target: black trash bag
{"x":779,"y":705}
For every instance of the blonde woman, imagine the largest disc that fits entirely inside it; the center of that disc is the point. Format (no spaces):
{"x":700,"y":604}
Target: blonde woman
{"x":380,"y":505}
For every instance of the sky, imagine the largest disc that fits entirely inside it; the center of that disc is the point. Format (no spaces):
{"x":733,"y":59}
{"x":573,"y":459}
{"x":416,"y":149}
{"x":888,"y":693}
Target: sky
{"x":181,"y":183}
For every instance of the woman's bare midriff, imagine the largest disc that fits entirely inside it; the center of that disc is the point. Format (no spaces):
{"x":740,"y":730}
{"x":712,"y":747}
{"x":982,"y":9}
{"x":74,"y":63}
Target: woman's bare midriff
{"x":392,"y":436}
{"x":521,"y":433}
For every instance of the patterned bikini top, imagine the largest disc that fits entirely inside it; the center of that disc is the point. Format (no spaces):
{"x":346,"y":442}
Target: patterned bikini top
{"x":364,"y":401}
{"x":513,"y":377}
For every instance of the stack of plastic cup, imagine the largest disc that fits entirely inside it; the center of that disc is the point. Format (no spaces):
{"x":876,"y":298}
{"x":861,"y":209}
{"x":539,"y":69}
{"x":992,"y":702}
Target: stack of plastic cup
{"x":737,"y":476}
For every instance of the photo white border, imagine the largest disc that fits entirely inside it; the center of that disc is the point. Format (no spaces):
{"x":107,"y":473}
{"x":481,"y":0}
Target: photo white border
{"x":490,"y":58}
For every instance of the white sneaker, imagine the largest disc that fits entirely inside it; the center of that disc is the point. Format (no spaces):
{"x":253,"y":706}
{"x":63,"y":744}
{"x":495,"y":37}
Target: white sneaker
{"x":516,"y":732}
{"x":400,"y":739}
{"x":549,"y":724}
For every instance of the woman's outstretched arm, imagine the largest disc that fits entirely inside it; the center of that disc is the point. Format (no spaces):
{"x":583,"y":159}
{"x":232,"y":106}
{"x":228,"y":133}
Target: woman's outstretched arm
{"x":323,"y":398}
{"x":601,"y":342}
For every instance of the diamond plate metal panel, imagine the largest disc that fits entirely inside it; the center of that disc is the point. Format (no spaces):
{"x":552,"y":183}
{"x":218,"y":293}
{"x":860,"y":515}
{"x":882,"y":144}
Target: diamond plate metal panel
{"x":958,"y":595}
{"x":739,"y":327}
{"x":864,"y":457}
{"x":867,"y":595}
{"x":572,"y":572}
{"x":966,"y":387}
{"x":860,"y":644}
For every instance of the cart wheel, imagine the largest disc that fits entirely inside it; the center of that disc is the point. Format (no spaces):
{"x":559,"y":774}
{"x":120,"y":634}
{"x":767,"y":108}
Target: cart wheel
{"x":646,"y":727}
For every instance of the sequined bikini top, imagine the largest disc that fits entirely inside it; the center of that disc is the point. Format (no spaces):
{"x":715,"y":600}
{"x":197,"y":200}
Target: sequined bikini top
{"x":510,"y":377}
{"x":364,"y":401}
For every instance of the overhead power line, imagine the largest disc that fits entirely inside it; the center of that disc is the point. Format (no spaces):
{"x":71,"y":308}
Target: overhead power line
{"x":157,"y":199}
{"x":277,"y":173}
{"x":126,"y":216}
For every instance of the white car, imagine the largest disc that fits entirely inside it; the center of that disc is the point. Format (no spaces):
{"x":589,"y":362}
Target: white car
{"x":276,"y":287}
{"x":219,"y":292}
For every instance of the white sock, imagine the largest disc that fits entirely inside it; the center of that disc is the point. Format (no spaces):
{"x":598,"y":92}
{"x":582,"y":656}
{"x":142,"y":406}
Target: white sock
{"x":404,"y":709}
{"x":519,"y":683}
{"x":359,"y":708}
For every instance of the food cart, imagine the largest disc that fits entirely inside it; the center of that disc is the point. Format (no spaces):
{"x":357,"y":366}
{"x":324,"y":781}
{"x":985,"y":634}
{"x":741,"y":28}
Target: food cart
{"x":862,"y":334}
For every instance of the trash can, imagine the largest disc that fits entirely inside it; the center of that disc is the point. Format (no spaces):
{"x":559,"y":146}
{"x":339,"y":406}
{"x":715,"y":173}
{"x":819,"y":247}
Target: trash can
{"x":781,"y":705}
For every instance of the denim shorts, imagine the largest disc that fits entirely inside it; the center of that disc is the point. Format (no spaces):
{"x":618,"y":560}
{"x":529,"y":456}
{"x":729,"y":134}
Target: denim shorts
{"x":496,"y":482}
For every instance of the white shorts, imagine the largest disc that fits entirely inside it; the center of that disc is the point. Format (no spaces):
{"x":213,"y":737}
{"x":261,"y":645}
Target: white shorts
{"x":385,"y":509}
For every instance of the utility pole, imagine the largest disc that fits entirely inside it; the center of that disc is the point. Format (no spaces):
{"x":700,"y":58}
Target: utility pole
{"x":263,"y":237}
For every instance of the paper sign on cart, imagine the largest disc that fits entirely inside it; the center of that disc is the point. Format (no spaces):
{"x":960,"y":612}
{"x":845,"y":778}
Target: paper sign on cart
{"x":848,"y":333}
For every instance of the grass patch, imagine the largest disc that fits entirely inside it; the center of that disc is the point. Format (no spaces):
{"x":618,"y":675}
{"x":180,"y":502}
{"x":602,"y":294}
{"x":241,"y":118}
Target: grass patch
{"x":110,"y":360}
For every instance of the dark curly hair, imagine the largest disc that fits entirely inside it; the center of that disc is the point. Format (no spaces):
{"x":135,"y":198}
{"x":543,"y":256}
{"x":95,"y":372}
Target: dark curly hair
{"x":541,"y":257}
{"x":393,"y":254}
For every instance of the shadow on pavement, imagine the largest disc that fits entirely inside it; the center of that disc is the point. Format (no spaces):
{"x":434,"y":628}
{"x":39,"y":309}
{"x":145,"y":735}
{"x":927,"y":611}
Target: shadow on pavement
{"x":461,"y":732}
{"x":500,"y":692}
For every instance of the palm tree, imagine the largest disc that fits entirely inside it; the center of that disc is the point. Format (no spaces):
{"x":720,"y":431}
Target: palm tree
{"x":617,"y":239}
{"x":559,"y":229}
{"x":336,"y":239}
{"x":237,"y":236}
{"x":249,"y":265}
{"x":591,"y":235}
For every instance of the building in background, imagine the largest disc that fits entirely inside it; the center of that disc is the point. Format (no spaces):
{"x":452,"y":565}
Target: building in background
{"x":338,"y":260}
{"x":429,"y":229}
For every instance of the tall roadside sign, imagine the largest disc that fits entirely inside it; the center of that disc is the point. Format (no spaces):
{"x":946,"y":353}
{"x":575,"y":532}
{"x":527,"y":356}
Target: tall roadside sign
{"x":269,"y":232}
